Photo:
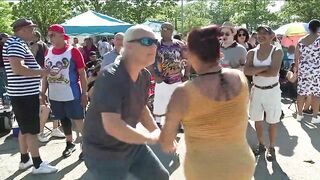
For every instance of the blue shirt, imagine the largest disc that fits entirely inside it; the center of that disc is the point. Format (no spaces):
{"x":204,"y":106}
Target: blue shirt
{"x":109,"y":58}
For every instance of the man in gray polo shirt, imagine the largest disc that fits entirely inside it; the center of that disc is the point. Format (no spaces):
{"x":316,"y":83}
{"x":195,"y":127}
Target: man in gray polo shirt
{"x":110,"y":57}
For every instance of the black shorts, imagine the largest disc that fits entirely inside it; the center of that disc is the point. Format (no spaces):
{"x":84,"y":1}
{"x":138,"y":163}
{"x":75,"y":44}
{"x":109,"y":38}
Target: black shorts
{"x":26,"y":110}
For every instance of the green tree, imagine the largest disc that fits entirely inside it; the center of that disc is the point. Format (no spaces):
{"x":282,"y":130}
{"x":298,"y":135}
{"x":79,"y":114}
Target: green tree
{"x":221,"y":11}
{"x":252,"y":13}
{"x":196,"y":14}
{"x":137,"y":11}
{"x":81,"y":6}
{"x":299,"y":11}
{"x":6,"y":17}
{"x":43,"y":12}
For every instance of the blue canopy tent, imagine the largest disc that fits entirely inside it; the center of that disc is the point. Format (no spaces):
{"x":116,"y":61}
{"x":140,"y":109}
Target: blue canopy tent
{"x":93,"y":23}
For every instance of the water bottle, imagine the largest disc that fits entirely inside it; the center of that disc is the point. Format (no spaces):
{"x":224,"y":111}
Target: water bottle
{"x":6,"y":100}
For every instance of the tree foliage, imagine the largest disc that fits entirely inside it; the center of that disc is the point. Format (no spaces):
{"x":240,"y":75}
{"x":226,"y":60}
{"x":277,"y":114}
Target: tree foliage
{"x":137,"y":11}
{"x":43,"y":12}
{"x":252,"y":13}
{"x":6,"y":17}
{"x":299,"y":11}
{"x":195,"y":14}
{"x":221,"y":11}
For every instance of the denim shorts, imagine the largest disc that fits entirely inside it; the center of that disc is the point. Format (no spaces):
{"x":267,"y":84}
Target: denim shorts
{"x":67,"y":109}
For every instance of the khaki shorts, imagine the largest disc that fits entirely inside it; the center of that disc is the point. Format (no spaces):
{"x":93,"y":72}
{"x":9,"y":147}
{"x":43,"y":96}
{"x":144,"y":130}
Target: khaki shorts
{"x":269,"y":101}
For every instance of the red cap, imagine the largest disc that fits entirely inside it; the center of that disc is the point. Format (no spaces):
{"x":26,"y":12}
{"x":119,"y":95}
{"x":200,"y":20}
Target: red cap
{"x":59,"y":29}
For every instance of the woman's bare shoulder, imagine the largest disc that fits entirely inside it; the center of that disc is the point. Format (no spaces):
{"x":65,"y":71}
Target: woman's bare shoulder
{"x":233,"y":76}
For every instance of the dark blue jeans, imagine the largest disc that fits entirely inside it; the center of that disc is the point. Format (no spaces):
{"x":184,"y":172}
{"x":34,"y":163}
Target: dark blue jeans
{"x":144,"y":165}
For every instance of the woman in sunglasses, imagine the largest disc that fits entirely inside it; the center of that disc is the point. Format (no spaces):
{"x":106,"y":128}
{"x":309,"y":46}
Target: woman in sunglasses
{"x":242,"y":37}
{"x":234,"y":55}
{"x":113,"y":146}
{"x":213,"y":110}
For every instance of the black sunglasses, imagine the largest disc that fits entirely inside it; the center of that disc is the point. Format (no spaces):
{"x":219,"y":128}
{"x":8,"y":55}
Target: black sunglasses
{"x":145,"y":41}
{"x":241,"y":35}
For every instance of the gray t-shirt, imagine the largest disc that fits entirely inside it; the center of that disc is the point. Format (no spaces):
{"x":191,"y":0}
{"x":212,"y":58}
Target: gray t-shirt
{"x":109,"y":58}
{"x":114,"y":92}
{"x":234,"y":56}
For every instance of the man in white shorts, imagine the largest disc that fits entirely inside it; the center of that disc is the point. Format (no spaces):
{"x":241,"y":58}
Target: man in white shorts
{"x":169,"y":70}
{"x":264,"y":63}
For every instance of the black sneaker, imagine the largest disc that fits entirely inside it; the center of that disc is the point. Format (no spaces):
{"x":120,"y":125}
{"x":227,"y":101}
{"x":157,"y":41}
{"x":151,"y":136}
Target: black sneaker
{"x":70,"y":148}
{"x":260,"y":149}
{"x":271,"y":154}
{"x":308,"y":112}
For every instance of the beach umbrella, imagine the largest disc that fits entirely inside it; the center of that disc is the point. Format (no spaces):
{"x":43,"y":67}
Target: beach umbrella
{"x":291,"y":33}
{"x":292,"y":29}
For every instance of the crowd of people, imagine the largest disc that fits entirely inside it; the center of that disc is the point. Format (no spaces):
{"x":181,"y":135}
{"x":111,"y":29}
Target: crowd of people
{"x":208,"y":84}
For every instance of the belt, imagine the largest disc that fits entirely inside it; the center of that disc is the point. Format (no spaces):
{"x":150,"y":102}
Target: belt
{"x":267,"y":87}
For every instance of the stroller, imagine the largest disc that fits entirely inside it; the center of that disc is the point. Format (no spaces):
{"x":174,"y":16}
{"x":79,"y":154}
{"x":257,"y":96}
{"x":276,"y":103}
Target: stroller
{"x":289,"y":89}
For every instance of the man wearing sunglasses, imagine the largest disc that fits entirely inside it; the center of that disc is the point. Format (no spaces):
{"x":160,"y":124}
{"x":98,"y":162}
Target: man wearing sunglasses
{"x":234,"y":54}
{"x":169,"y":69}
{"x":113,"y":146}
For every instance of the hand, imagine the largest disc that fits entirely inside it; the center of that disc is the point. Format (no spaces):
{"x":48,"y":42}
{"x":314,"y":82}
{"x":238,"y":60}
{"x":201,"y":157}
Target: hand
{"x":184,"y":78}
{"x":45,"y":72}
{"x":153,"y":137}
{"x":170,"y":148}
{"x":84,"y":100}
{"x":43,"y":99}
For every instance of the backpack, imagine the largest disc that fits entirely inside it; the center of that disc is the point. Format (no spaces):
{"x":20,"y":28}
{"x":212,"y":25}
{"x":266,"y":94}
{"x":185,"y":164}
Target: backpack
{"x":6,"y":121}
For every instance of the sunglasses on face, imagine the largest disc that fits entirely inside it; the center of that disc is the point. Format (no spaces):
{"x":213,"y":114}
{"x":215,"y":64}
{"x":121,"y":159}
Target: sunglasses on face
{"x":241,"y":35}
{"x":145,"y":41}
{"x":225,"y":34}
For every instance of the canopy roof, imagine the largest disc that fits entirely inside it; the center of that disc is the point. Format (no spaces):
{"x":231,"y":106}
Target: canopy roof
{"x":93,"y":23}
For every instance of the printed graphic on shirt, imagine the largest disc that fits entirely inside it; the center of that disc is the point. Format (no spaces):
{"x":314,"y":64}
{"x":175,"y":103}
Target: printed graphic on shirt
{"x":56,"y":74}
{"x":170,"y":63}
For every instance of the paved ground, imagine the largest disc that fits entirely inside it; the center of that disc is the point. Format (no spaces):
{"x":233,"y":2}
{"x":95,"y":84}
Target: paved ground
{"x":298,"y":155}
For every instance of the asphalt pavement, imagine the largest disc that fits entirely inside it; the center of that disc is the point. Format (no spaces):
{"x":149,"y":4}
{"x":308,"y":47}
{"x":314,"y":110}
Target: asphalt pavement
{"x":297,"y":152}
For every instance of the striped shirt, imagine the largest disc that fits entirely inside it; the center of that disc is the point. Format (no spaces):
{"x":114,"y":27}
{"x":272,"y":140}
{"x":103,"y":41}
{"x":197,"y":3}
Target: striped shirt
{"x":19,"y":85}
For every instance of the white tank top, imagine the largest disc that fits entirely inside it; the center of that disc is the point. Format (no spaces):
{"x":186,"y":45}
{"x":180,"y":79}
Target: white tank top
{"x":60,"y":88}
{"x":260,"y":80}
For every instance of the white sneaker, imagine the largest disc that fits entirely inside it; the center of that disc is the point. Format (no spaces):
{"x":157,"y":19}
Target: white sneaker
{"x":23,"y":166}
{"x":44,"y":168}
{"x":315,"y":120}
{"x":42,"y":137}
{"x":299,"y":117}
{"x":57,"y":133}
